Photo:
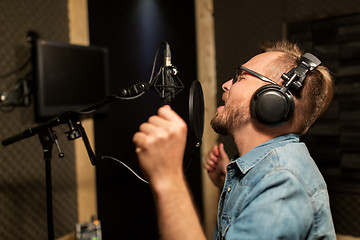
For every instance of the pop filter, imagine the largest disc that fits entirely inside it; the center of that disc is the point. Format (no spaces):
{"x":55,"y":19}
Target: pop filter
{"x":196,"y":112}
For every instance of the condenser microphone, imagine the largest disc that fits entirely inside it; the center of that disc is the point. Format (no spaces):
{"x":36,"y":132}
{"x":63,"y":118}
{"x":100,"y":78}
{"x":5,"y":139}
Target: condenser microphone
{"x":168,"y":89}
{"x":167,"y":55}
{"x":166,"y":82}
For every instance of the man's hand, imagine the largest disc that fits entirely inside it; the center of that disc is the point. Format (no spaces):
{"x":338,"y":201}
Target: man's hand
{"x":160,"y":145}
{"x":215,"y":163}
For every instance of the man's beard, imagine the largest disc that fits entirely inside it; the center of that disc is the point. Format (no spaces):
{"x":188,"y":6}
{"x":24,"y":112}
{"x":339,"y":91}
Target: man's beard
{"x":219,"y":126}
{"x":230,"y":118}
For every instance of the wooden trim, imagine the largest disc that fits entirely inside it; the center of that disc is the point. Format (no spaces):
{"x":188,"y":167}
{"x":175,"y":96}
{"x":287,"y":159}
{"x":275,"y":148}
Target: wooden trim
{"x":207,"y":76}
{"x":85,"y":172}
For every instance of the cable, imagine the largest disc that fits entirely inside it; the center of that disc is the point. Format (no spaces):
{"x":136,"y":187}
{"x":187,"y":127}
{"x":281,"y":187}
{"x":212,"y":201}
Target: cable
{"x":6,"y":109}
{"x":20,"y":90}
{"x":20,"y":81}
{"x":154,"y":61}
{"x":129,"y":98}
{"x":16,"y":70}
{"x":86,"y":113}
{"x":112,"y":158}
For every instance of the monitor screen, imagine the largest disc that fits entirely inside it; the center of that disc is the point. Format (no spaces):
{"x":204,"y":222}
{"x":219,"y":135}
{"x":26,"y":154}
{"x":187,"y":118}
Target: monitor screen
{"x":68,"y":77}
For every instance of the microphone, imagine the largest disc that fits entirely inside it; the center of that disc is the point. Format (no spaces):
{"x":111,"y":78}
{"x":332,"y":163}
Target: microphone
{"x":166,"y":82}
{"x":171,"y":85}
{"x":167,"y":56}
{"x":168,"y":91}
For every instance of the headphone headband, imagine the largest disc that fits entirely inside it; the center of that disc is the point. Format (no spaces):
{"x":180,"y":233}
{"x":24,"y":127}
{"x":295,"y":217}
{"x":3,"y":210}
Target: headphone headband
{"x":296,"y":76}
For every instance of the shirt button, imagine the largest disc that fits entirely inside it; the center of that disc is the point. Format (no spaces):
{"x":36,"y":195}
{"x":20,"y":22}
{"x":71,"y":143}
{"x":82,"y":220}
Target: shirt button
{"x":229,"y":189}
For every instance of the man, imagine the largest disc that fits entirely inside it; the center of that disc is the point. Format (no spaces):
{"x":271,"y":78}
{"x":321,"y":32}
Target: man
{"x":274,"y":190}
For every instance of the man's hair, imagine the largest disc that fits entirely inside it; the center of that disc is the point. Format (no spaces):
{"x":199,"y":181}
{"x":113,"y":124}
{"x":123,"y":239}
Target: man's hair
{"x":316,"y":94}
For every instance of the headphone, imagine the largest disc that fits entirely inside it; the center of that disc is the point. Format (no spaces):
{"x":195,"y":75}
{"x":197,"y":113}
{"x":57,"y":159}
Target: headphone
{"x":274,"y":104}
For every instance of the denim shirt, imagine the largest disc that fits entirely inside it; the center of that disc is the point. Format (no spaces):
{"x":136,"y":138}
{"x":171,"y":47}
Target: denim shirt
{"x":274,"y":191}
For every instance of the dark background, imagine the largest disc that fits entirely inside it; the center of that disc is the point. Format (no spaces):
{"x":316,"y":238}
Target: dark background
{"x":132,"y":31}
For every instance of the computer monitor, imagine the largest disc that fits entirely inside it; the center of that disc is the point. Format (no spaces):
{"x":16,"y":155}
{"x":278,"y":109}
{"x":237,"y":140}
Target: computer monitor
{"x":68,"y":77}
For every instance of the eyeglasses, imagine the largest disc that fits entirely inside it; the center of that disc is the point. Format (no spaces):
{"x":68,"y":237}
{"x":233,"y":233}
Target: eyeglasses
{"x":255,"y":74}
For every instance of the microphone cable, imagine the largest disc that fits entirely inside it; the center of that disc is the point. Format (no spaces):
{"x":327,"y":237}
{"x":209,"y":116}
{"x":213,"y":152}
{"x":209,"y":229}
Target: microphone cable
{"x":132,"y":171}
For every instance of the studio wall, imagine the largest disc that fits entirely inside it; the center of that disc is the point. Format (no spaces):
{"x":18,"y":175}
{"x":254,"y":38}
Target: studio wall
{"x":22,"y":167}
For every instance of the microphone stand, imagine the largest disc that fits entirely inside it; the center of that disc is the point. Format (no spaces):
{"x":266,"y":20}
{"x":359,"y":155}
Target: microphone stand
{"x":48,"y":137}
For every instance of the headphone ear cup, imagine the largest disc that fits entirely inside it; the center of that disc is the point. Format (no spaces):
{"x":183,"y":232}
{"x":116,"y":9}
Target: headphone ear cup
{"x":270,"y":106}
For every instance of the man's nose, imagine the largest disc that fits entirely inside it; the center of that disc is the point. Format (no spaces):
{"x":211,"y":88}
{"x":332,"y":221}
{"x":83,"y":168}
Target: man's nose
{"x":227,"y":85}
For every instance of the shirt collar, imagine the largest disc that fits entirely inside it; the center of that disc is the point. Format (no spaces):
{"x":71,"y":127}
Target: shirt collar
{"x":255,"y":155}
